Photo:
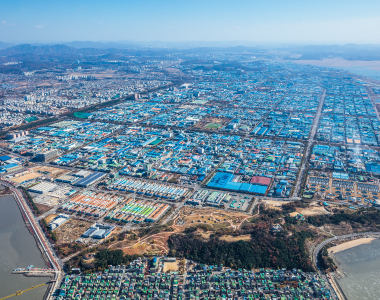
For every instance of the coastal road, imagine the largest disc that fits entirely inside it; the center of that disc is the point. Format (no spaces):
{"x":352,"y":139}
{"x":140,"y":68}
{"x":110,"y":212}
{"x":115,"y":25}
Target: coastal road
{"x":339,"y":293}
{"x":38,"y":234}
{"x":319,"y":247}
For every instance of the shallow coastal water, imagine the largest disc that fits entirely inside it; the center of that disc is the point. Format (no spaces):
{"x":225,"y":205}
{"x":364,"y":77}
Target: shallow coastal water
{"x":363,"y":71}
{"x":18,"y":249}
{"x":362,"y":265}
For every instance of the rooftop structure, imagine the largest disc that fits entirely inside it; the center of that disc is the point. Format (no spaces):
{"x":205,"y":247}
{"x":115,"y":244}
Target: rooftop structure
{"x":42,"y":188}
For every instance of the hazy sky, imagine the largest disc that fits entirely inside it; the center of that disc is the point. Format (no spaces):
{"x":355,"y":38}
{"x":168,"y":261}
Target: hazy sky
{"x":264,"y":21}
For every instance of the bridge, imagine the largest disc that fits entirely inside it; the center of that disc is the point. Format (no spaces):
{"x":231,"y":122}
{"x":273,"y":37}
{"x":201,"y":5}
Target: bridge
{"x":18,"y":293}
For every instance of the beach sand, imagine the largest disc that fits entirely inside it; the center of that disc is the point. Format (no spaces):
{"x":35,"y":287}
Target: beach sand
{"x":350,"y":244}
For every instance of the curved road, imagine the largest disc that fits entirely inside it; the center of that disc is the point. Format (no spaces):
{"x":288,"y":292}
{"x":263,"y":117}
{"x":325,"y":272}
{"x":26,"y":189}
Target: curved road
{"x":339,"y":294}
{"x":338,"y":238}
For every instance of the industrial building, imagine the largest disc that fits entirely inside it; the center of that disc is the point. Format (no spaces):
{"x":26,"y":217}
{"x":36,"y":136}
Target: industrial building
{"x":42,"y":187}
{"x":138,"y":211}
{"x":91,"y":179}
{"x":225,"y":181}
{"x":58,"y":221}
{"x":91,"y":203}
{"x":148,"y":188}
{"x":67,"y":179}
{"x":98,"y":231}
{"x":11,"y":167}
{"x":45,"y":156}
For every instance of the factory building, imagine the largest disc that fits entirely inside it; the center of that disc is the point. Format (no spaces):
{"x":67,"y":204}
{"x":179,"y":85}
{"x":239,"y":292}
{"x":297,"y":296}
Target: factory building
{"x":42,"y":188}
{"x":58,"y":221}
{"x":47,"y":155}
{"x":98,"y":231}
{"x":91,"y":179}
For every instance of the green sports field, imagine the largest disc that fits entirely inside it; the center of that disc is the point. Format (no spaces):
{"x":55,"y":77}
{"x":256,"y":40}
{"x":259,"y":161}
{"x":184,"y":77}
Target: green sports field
{"x":213,"y":126}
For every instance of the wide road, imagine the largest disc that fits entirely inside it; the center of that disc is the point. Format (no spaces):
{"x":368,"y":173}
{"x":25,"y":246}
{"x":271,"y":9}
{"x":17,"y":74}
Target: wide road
{"x":309,"y":144}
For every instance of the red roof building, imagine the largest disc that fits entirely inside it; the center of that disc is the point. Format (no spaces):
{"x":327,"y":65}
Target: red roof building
{"x":260,"y":180}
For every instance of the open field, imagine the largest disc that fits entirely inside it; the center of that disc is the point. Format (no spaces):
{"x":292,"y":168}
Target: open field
{"x":230,"y":238}
{"x":156,"y":243}
{"x":26,"y":177}
{"x":50,"y":218}
{"x":275,"y":204}
{"x":212,"y":124}
{"x":171,"y":266}
{"x":310,"y":211}
{"x":71,"y":230}
{"x":51,"y":171}
{"x":43,"y":208}
{"x":211,"y":217}
{"x":46,"y":200}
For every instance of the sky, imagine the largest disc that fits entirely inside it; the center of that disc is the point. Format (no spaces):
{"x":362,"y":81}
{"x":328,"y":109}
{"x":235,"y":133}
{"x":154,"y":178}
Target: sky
{"x":261,"y":22}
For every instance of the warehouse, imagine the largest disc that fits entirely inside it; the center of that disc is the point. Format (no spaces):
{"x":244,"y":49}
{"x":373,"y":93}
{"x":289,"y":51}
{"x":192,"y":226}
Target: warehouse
{"x":225,"y":181}
{"x":138,"y":210}
{"x":150,"y":189}
{"x":67,"y":179}
{"x":58,"y":221}
{"x":98,"y":231}
{"x":91,"y":203}
{"x":82,"y":174}
{"x":42,"y":187}
{"x":10,"y":167}
{"x":91,"y":179}
{"x":261,"y":180}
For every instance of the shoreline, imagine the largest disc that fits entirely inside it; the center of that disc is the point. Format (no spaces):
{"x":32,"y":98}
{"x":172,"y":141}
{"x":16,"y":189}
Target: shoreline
{"x":349,"y":245}
{"x":43,"y":255}
{"x":11,"y":197}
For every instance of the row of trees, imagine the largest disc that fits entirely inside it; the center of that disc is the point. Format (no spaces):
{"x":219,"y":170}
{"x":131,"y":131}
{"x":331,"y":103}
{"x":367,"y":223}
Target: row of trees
{"x":31,"y":201}
{"x":47,"y":229}
{"x":362,"y":217}
{"x":104,"y":258}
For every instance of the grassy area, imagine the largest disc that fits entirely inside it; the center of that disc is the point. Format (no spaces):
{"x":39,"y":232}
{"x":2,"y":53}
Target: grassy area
{"x":213,"y":126}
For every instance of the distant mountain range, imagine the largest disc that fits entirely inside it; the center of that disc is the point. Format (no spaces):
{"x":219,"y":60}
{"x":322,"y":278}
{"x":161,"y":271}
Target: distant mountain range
{"x":85,"y":48}
{"x":101,"y":45}
{"x":5,"y":45}
{"x":46,"y":50}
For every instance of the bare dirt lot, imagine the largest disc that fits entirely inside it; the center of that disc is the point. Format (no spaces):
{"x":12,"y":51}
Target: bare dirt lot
{"x":275,"y":204}
{"x":71,"y":230}
{"x":230,"y":238}
{"x":43,"y":208}
{"x":50,"y":218}
{"x":212,"y":217}
{"x":26,"y":177}
{"x":53,"y":172}
{"x":310,"y":211}
{"x":171,"y":266}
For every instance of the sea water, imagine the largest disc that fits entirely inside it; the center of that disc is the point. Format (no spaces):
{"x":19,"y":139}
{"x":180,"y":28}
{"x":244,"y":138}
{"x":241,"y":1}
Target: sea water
{"x":18,"y":249}
{"x":362,"y":266}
